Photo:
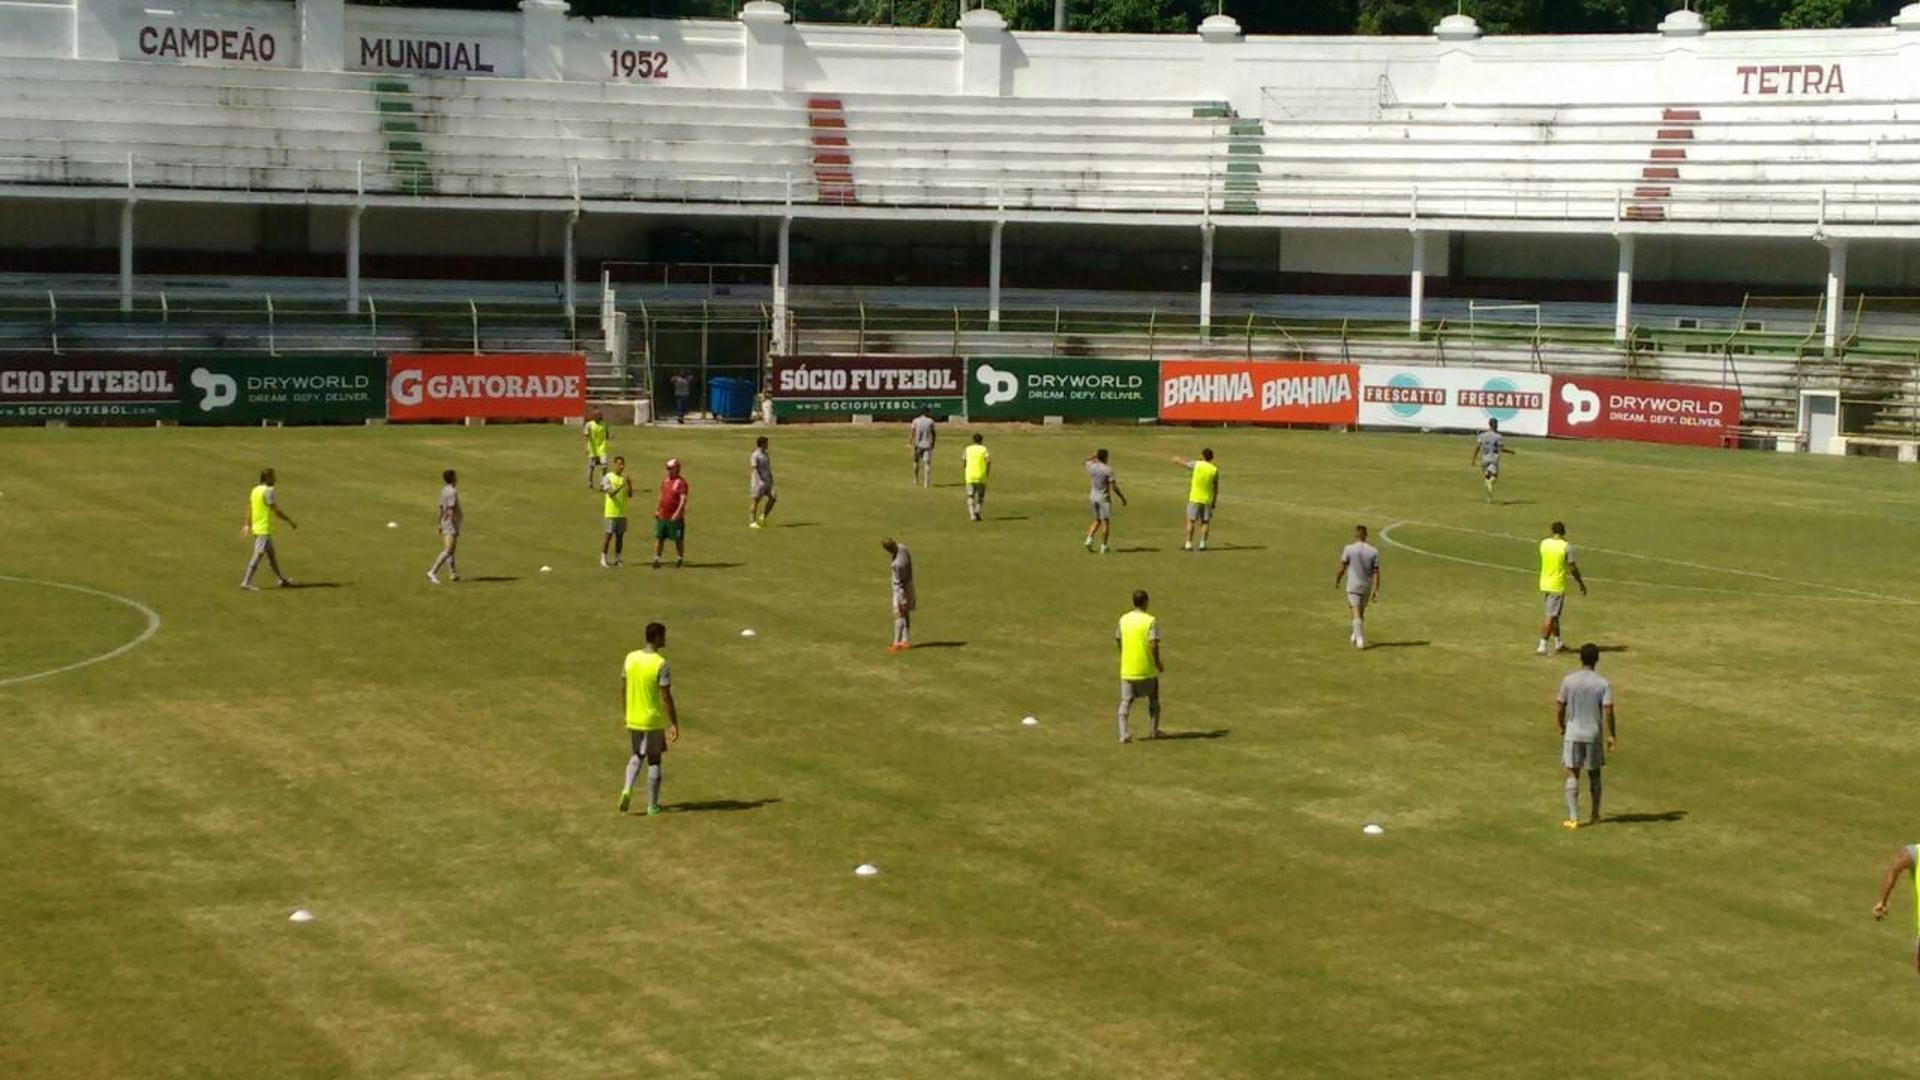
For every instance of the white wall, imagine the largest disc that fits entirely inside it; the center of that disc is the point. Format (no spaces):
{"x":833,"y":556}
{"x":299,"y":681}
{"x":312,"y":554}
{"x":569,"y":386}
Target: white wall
{"x":1270,"y":77}
{"x":1367,"y":253}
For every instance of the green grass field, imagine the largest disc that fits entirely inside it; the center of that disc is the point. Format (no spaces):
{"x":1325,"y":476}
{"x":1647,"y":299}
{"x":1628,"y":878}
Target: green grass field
{"x":433,"y":772}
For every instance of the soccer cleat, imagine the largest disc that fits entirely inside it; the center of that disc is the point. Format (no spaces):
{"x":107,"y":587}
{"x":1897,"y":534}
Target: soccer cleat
{"x":1542,"y":650}
{"x":1188,"y":546}
{"x":626,"y":799}
{"x":753,"y":525}
{"x":286,"y":583}
{"x":1359,"y":643}
{"x":1104,"y":549}
{"x":1594,"y":820}
{"x":249,"y":586}
{"x":432,"y":578}
{"x":652,"y":810}
{"x":679,"y":562}
{"x":1203,"y":545}
{"x":604,"y":564}
{"x":453,"y":576}
{"x":656,"y":564}
{"x":1569,"y":824}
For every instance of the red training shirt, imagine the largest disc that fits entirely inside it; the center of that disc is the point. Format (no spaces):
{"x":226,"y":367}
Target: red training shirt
{"x":673,"y":495}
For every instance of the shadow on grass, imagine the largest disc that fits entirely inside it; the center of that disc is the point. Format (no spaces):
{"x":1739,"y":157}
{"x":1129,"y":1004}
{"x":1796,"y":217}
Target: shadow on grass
{"x":1134,"y":550}
{"x":717,"y":806}
{"x":941,"y":645}
{"x":1397,"y":644}
{"x":1613,"y":648}
{"x":488,"y":578}
{"x":1513,"y":502}
{"x":1011,"y":517}
{"x":1236,"y":547}
{"x":1175,"y":736}
{"x":707,"y":565}
{"x":316,"y":585}
{"x":1644,"y":819}
{"x":798,"y":525}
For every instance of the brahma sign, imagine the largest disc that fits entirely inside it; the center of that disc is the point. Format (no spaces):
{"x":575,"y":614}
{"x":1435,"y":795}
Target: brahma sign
{"x":517,"y":386}
{"x":1236,"y":391}
{"x":1644,"y":411}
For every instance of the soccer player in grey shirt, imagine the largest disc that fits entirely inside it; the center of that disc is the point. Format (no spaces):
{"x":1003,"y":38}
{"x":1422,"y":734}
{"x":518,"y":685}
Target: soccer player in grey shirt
{"x":904,"y":600}
{"x":449,"y":530}
{"x":920,"y":437}
{"x":1099,"y":501}
{"x":1584,"y":701}
{"x":1360,"y":572}
{"x":1487,"y":448}
{"x":760,"y":484}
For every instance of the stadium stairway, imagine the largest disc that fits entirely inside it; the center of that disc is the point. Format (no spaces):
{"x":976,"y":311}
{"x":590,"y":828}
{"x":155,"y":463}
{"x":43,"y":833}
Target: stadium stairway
{"x":832,"y":158}
{"x":401,"y":128}
{"x":1243,"y":134}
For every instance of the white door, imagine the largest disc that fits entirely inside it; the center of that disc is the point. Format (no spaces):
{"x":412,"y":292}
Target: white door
{"x":1823,"y":422}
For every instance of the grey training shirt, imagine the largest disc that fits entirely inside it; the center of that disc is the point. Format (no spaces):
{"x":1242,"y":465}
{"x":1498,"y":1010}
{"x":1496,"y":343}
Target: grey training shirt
{"x":902,"y":569}
{"x":762,"y":467}
{"x":1490,"y":443}
{"x":1361,"y":560}
{"x":1102,"y":475}
{"x":1586,"y":694}
{"x":449,"y":506}
{"x":923,"y":432}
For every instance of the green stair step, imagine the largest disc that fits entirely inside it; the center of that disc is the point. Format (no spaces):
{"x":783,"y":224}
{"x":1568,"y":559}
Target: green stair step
{"x":399,"y":127}
{"x":1240,"y":206}
{"x":1243,"y":149}
{"x":405,"y":146}
{"x":1211,"y":112}
{"x":1243,"y":166}
{"x":1246,"y":127}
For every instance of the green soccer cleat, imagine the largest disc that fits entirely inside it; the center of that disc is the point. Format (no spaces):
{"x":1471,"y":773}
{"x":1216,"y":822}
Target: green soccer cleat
{"x":626,"y":799}
{"x":652,"y":810}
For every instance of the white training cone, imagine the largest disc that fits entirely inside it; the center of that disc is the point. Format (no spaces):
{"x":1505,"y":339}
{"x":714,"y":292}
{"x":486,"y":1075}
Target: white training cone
{"x":1373,"y":830}
{"x":300,"y":915}
{"x":1029,"y":721}
{"x":748,"y":632}
{"x":546,"y":569}
{"x":866,"y":870}
{"x":393,"y":524}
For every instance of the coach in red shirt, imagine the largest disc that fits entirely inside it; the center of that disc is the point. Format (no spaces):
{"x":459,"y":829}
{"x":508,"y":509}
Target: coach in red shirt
{"x":670,"y":517}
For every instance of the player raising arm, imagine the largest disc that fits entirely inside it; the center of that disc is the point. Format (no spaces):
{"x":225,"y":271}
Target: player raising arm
{"x":1203,"y":494}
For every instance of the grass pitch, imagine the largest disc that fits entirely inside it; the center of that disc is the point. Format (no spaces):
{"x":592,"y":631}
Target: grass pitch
{"x":433,"y":771}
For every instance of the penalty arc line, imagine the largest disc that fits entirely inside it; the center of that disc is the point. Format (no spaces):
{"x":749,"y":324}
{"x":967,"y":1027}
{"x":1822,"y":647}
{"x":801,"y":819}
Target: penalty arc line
{"x":152,"y":628}
{"x":1387,"y":536}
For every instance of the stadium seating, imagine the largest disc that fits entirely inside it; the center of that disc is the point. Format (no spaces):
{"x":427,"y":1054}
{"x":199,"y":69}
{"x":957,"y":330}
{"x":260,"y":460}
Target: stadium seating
{"x":248,"y":130}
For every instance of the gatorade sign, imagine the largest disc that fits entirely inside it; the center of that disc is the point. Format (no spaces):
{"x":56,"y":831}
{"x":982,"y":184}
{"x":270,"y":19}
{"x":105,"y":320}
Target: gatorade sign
{"x":1586,"y":408}
{"x":517,"y":386}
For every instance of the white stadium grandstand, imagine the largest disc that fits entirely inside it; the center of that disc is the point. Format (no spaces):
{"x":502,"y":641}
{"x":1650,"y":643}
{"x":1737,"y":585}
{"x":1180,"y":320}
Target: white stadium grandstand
{"x":335,"y":144}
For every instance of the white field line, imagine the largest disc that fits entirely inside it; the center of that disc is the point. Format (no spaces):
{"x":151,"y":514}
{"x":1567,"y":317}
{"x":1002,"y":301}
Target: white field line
{"x":1850,"y":595}
{"x":153,"y":627}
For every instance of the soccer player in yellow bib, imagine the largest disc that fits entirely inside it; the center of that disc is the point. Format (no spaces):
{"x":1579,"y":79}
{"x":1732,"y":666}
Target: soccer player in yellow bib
{"x":262,"y":508}
{"x":1556,"y":562}
{"x":1903,"y":862}
{"x":618,"y":488}
{"x":595,"y":432}
{"x":978,"y":463}
{"x":1203,"y":494}
{"x":1139,"y":638}
{"x":652,"y":720}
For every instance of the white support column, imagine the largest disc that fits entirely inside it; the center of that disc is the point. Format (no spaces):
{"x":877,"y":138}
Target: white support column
{"x":126,"y":255}
{"x":782,"y":268}
{"x":1836,"y":289}
{"x":993,"y":277}
{"x":1417,"y":285}
{"x":1623,"y":289}
{"x":353,"y":258}
{"x":1206,"y":275}
{"x":567,"y":282}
